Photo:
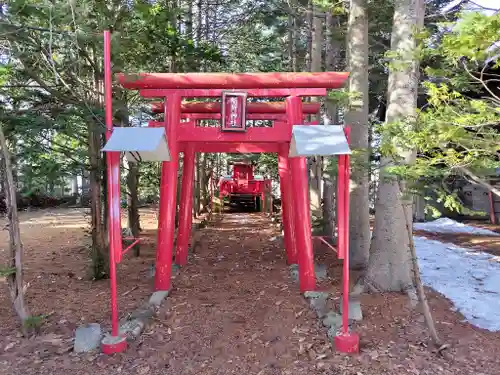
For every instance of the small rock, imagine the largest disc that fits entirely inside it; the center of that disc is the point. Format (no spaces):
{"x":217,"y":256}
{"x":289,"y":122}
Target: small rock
{"x":332,"y":319}
{"x":321,"y":271}
{"x":52,"y":339}
{"x":9,"y":346}
{"x":132,"y":328}
{"x":319,"y":305}
{"x":152,"y":270}
{"x":324,"y":295}
{"x":294,"y":272}
{"x":355,"y":312}
{"x":87,"y":338}
{"x":157,"y":297}
{"x":332,"y":332}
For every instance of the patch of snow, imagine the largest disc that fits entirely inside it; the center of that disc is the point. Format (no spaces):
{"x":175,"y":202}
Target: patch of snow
{"x":470,"y":279}
{"x":446,"y":225}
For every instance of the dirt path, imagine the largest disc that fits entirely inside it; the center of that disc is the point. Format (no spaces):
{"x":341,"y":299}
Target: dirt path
{"x":233,"y":310}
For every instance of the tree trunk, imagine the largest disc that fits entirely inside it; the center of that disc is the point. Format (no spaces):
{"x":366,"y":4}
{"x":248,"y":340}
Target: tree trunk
{"x":98,"y":252}
{"x":203,"y":178}
{"x":133,"y":203}
{"x":292,"y":38}
{"x":316,"y":66}
{"x":389,"y":266}
{"x":485,"y":184}
{"x":197,"y":189}
{"x":330,"y":182}
{"x":331,"y":64}
{"x":309,"y":36}
{"x":179,"y":188}
{"x":14,"y":272}
{"x":133,"y":224}
{"x":357,"y":118}
{"x":199,"y":21}
{"x":329,"y":205}
{"x":189,"y":20}
{"x":429,"y":321}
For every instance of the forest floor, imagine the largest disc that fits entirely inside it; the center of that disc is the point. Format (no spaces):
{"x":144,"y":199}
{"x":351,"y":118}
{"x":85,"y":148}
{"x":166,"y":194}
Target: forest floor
{"x":233,"y":310}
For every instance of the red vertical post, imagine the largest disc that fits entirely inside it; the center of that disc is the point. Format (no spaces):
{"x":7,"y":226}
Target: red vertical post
{"x":345,"y":272}
{"x":340,"y":206}
{"x":287,"y":204}
{"x":186,"y":207}
{"x":115,"y":343}
{"x":111,"y":166}
{"x":298,"y":166}
{"x":168,"y":191}
{"x":346,"y":342}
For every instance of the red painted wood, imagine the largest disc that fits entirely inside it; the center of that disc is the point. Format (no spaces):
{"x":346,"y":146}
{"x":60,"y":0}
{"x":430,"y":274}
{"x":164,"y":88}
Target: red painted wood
{"x":240,"y":81}
{"x":186,"y":206}
{"x":113,"y":174}
{"x":301,"y":210}
{"x":250,"y":116}
{"x":168,"y":194}
{"x":204,"y":134}
{"x":286,"y":203}
{"x":345,"y":265}
{"x":216,"y":93}
{"x":213,"y":107}
{"x":229,"y":147}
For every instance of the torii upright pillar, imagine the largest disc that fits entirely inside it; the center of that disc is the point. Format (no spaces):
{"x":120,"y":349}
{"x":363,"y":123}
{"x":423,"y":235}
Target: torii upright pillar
{"x":186,"y":206}
{"x":287,"y":204}
{"x":301,"y":209}
{"x":168,"y":194}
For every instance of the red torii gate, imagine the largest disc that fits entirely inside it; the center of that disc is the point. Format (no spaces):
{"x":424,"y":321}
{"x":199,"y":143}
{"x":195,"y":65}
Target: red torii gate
{"x":233,"y":136}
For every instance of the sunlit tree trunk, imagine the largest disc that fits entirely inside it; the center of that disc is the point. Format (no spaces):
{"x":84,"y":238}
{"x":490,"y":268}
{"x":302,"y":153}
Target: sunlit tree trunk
{"x":199,"y":21}
{"x":99,"y":252}
{"x":316,"y":66}
{"x":390,"y":262}
{"x":357,"y":118}
{"x":308,"y":25}
{"x":329,"y":180}
{"x":292,"y":37}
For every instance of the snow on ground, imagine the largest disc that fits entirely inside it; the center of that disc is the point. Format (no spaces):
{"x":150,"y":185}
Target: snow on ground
{"x":470,"y":279}
{"x":445,"y":225}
